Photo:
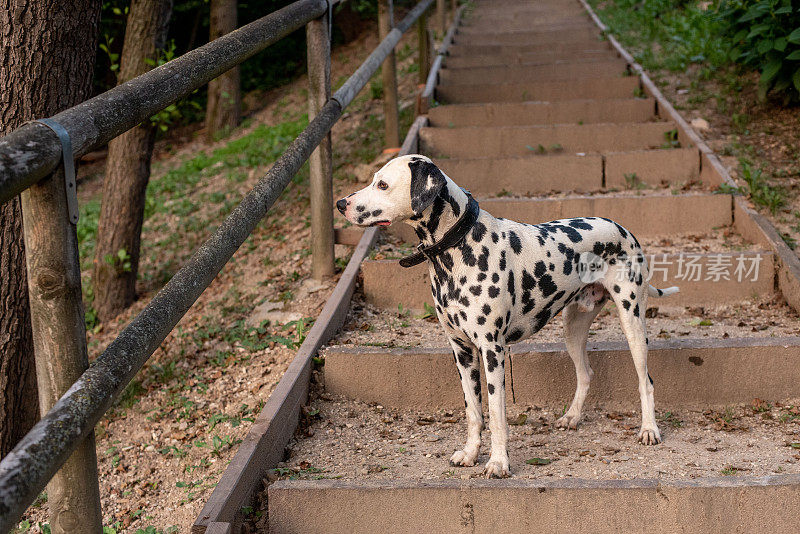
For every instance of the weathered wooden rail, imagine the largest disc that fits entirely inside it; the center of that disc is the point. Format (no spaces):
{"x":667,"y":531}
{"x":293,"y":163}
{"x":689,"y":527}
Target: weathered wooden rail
{"x":31,"y":164}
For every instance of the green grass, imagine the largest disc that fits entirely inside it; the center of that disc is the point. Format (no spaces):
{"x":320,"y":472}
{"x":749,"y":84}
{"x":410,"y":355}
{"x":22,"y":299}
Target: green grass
{"x":665,"y":34}
{"x":258,"y":148}
{"x":761,"y":192}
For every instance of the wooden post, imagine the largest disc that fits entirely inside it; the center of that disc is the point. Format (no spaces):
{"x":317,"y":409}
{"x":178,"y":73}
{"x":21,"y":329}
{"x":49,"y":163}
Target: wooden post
{"x":389,"y":77}
{"x":321,"y":162}
{"x":422,"y":44}
{"x":59,"y":341}
{"x":441,"y":16}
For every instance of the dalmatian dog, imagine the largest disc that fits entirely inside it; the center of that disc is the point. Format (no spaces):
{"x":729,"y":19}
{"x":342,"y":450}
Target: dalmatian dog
{"x":496,"y":282}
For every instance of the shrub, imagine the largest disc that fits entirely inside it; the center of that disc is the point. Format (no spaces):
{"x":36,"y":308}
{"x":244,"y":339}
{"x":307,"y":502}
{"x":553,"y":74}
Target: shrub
{"x":765,"y":35}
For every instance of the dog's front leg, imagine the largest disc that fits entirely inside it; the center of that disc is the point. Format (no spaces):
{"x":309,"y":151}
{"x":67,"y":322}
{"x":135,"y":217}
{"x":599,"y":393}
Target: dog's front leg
{"x":467,"y":362}
{"x":494,"y":364}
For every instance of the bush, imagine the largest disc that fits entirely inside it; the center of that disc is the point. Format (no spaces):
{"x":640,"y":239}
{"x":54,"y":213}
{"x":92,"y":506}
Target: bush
{"x":765,"y":35}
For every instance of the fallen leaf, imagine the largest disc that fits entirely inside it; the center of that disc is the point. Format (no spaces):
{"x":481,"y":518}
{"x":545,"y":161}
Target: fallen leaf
{"x":538,"y":461}
{"x":520,"y":420}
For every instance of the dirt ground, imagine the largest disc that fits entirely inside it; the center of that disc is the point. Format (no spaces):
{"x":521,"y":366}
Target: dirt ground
{"x":765,"y":133}
{"x":358,"y":441}
{"x":164,"y":446}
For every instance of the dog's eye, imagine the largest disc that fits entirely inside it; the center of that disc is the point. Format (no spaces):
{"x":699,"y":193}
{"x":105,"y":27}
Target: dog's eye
{"x":383,"y":186}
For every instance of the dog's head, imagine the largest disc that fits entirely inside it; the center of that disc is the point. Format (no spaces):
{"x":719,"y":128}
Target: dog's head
{"x":401,"y":189}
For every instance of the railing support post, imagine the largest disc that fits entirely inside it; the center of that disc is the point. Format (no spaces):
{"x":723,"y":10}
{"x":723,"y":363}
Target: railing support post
{"x":321,"y":161}
{"x":59,"y":340}
{"x":423,"y":48}
{"x":441,"y":16}
{"x":389,"y":77}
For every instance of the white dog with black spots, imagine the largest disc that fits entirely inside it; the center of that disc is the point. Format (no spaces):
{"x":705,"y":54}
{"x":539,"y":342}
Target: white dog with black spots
{"x":501,"y":281}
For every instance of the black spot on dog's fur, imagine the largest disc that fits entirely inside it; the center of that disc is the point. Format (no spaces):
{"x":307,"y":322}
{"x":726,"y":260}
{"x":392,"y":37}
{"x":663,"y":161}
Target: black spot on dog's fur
{"x":514,"y":241}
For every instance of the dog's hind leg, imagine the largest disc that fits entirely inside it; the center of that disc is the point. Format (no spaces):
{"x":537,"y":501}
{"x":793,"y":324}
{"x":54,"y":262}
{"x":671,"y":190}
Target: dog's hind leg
{"x":576,"y":331}
{"x":631,"y":301}
{"x":467,"y":361}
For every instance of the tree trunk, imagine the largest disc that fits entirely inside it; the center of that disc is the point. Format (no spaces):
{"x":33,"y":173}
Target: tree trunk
{"x":224,"y":94}
{"x":41,"y":73}
{"x":116,"y":262}
{"x":18,"y":401}
{"x":47,"y":52}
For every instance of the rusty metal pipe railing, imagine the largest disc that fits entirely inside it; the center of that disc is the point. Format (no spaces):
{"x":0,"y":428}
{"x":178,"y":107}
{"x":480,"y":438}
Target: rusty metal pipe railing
{"x":24,"y":472}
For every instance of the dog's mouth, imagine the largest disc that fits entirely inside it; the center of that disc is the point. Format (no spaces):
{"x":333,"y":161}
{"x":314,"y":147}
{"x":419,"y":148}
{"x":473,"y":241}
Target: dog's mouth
{"x":381,"y":223}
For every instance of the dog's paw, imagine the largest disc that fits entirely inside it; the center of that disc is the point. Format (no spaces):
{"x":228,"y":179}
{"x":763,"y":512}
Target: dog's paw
{"x":568,"y":421}
{"x":649,"y":436}
{"x":463,"y":459}
{"x":497,"y":469}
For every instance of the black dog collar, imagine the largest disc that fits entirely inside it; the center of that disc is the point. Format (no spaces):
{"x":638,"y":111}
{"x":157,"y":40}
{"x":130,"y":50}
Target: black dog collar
{"x":450,"y":239}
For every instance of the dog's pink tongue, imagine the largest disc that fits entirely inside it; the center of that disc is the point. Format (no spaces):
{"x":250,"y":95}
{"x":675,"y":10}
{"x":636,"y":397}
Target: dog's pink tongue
{"x":384,"y":223}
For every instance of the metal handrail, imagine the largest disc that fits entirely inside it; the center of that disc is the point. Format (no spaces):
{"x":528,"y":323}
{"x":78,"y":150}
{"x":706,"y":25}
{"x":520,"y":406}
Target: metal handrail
{"x":433,"y":74}
{"x":25,"y":471}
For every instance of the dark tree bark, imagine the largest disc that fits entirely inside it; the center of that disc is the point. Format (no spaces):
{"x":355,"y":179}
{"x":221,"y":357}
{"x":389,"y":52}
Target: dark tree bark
{"x":18,"y":401}
{"x":47,"y":52}
{"x":224,"y":93}
{"x":46,"y":61}
{"x":128,"y":170}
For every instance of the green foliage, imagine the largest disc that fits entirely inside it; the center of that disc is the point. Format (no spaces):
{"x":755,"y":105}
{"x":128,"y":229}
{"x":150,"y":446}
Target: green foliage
{"x":685,"y":33}
{"x":673,"y":34}
{"x":761,"y":192}
{"x":765,"y":35}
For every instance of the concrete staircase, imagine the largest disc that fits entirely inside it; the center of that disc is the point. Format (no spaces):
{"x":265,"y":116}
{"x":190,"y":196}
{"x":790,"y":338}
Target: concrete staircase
{"x":533,"y":100}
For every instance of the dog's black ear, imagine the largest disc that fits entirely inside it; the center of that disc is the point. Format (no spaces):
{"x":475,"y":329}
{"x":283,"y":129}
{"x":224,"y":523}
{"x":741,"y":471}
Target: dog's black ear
{"x":426,"y":182}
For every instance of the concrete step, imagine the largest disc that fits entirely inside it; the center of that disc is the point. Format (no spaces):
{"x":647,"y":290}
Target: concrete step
{"x":529,"y":113}
{"x":388,"y":285}
{"x":536,"y":72}
{"x":476,"y":141}
{"x":652,"y":215}
{"x":686,"y":373}
{"x":651,"y":167}
{"x":541,"y":57}
{"x":535,"y":14}
{"x":519,"y":25}
{"x":468,"y":49}
{"x":593,"y":88}
{"x":529,"y":38}
{"x":530,"y":175}
{"x":725,"y":504}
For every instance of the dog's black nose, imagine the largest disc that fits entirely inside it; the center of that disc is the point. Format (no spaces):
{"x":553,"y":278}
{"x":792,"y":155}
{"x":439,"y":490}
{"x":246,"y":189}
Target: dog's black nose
{"x":341,"y":205}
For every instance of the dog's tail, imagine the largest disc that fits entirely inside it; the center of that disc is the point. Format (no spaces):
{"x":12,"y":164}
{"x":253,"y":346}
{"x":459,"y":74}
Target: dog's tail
{"x":655,"y":292}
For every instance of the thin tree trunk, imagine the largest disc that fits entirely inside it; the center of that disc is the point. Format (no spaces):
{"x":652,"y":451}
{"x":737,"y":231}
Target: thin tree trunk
{"x":128,"y":170}
{"x":47,"y":52}
{"x":224,"y":93}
